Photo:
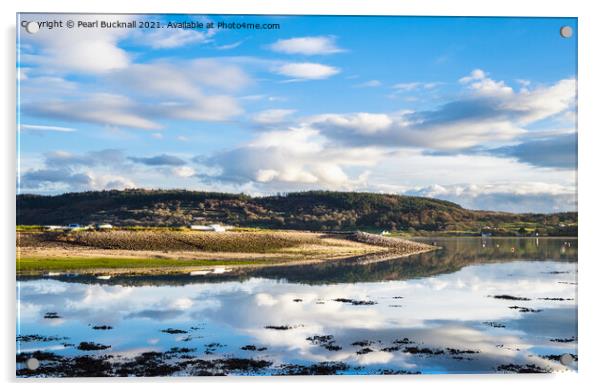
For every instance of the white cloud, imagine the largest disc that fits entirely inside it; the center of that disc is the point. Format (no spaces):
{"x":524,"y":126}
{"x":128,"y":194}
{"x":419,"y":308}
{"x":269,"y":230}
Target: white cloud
{"x":412,"y":86}
{"x":408,"y":168}
{"x":364,"y":123}
{"x":64,"y":180}
{"x":229,"y":46}
{"x":521,"y":197}
{"x":184,"y":79}
{"x":477,"y":74}
{"x":62,"y":171}
{"x":44,"y":128}
{"x":110,"y":181}
{"x":22,"y":73}
{"x":307,"y":71}
{"x":543,"y":102}
{"x":272,"y":116}
{"x":218,"y":74}
{"x":173,"y":38}
{"x":302,"y":158}
{"x":155,"y":91}
{"x":295,"y":158}
{"x":91,"y":50}
{"x":39,"y":85}
{"x":406,"y":86}
{"x":369,"y":83}
{"x":491,"y":114}
{"x":124,"y":93}
{"x":183,"y":171}
{"x":307,"y":45}
{"x":158,"y":160}
{"x":103,"y":109}
{"x":479,"y":82}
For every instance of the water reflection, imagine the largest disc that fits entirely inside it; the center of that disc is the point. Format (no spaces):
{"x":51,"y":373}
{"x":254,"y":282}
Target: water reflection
{"x":464,"y":309}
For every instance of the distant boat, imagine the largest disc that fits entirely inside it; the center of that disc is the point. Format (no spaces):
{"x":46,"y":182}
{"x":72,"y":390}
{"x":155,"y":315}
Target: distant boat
{"x":103,"y":277}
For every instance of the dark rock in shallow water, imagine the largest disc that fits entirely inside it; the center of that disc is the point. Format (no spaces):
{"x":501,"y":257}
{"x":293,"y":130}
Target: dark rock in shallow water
{"x":523,"y":309}
{"x":564,"y":340}
{"x":320,"y":339}
{"x":39,"y":338}
{"x":39,"y":355}
{"x":177,"y":350}
{"x":355,"y":302}
{"x":558,"y":357}
{"x":212,"y":347}
{"x":323,"y":368}
{"x":325,"y":341}
{"x":403,"y":341}
{"x":362,"y":343}
{"x":516,"y":368}
{"x":147,"y":364}
{"x":396,"y":372}
{"x":173,"y":331}
{"x":58,"y":366}
{"x":417,"y":350}
{"x":495,"y":325}
{"x":243,"y":364}
{"x":508,"y":297}
{"x":102,"y":327}
{"x":284,"y":327}
{"x":254,"y":348}
{"x":554,"y":299}
{"x":92,"y":346}
{"x":456,"y":352}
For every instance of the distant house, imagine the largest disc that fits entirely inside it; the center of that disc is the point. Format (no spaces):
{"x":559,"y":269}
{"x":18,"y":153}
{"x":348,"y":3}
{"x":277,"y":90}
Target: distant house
{"x":103,"y":226}
{"x":53,"y":227}
{"x":211,"y":228}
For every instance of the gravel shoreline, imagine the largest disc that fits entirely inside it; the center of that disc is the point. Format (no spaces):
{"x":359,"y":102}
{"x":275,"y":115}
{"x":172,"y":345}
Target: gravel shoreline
{"x":357,"y":246}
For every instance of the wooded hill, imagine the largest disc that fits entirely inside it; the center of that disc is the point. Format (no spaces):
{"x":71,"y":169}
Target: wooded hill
{"x":312,"y":210}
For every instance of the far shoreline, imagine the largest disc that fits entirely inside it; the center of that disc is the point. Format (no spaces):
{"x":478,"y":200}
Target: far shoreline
{"x":43,"y":254}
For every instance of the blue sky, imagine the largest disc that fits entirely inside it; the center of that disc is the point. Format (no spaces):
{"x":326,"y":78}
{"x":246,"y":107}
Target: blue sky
{"x":480,"y":111}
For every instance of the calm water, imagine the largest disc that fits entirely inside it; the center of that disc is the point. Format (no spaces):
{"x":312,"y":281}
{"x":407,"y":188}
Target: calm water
{"x":431,"y":313}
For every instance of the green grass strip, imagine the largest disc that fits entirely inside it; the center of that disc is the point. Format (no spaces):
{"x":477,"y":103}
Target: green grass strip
{"x":38,"y":264}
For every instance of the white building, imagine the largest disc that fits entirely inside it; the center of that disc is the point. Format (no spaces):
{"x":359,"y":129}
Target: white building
{"x":211,"y":228}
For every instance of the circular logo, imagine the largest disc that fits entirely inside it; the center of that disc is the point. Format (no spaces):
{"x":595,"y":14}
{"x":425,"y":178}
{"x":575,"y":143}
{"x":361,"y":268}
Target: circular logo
{"x":33,"y":364}
{"x":566,"y":359}
{"x":566,"y":31}
{"x":32,"y":27}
